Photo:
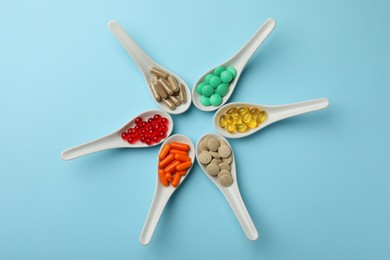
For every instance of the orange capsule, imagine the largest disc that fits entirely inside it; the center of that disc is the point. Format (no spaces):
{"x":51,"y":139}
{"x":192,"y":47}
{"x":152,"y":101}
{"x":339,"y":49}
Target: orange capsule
{"x":163,"y":180}
{"x":180,"y":146}
{"x":171,"y":168}
{"x":175,"y":151}
{"x":164,"y":152}
{"x":166,"y":161}
{"x":183,"y":166}
{"x":182,"y":173}
{"x":169,"y":177}
{"x":176,"y":180}
{"x":183,"y":158}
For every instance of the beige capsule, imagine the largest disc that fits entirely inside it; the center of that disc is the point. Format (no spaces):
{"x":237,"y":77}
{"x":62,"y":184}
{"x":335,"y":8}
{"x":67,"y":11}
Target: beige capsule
{"x":156,"y":96}
{"x":169,"y":103}
{"x":166,"y":86}
{"x":182,"y":94}
{"x":160,"y":90}
{"x":175,"y":100}
{"x":158,"y":72}
{"x":154,"y":79}
{"x":173,"y":82}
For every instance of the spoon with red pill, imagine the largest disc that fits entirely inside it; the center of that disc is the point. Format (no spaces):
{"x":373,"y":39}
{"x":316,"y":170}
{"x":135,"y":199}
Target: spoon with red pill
{"x":147,"y":129}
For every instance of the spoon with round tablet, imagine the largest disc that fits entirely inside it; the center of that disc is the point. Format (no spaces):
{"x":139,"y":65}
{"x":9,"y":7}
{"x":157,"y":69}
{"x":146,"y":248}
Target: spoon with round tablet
{"x":214,"y":88}
{"x":162,"y":192}
{"x":133,"y":129}
{"x":236,"y":120}
{"x":168,"y":90}
{"x":226,"y":183}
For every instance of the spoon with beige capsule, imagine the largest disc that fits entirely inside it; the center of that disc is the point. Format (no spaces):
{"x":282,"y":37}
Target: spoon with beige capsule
{"x":237,"y":120}
{"x":168,"y":90}
{"x":115,"y":139}
{"x":227,"y":184}
{"x":163,"y":193}
{"x":222,"y":80}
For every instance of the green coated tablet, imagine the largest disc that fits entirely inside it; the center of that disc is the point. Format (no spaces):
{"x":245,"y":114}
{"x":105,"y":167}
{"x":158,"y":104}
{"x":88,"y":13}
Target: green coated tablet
{"x":219,"y":70}
{"x":208,"y":77}
{"x":226,"y":76}
{"x":222,"y":89}
{"x":200,"y":87}
{"x":205,"y":101}
{"x":232,"y":70}
{"x":215,"y":100}
{"x":215,"y":81}
{"x":207,"y":90}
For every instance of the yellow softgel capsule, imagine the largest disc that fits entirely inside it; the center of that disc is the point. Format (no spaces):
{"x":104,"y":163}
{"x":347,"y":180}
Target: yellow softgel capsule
{"x":242,"y":128}
{"x":231,"y":128}
{"x":242,"y":110}
{"x":231,"y":111}
{"x":261,"y":117}
{"x":222,"y":121}
{"x":255,"y":112}
{"x":246,"y":117}
{"x":230,"y":119}
{"x":238,"y":118}
{"x":252,"y":123}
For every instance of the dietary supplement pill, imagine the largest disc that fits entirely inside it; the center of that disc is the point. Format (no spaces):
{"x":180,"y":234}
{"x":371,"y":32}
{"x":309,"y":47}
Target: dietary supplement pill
{"x":158,"y":72}
{"x":212,"y":169}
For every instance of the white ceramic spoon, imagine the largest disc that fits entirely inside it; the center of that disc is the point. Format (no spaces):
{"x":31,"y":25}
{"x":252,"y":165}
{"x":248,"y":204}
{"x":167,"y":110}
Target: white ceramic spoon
{"x":274,"y":114}
{"x":232,"y":193}
{"x":238,"y":61}
{"x":162,"y":193}
{"x":144,"y":63}
{"x":114,"y":140}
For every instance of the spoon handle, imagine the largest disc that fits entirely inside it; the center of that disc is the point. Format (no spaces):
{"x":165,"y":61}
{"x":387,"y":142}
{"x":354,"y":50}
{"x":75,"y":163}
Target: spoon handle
{"x":143,"y":61}
{"x":245,"y":53}
{"x":156,"y":208}
{"x":289,"y":110}
{"x":107,"y":142}
{"x":234,"y":198}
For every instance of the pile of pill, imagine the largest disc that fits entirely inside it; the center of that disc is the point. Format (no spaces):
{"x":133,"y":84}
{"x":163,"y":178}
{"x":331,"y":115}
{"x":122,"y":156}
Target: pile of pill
{"x":242,"y":119}
{"x":217,"y":155}
{"x":216,"y":85}
{"x":150,"y":131}
{"x":166,"y":89}
{"x":174,"y":163}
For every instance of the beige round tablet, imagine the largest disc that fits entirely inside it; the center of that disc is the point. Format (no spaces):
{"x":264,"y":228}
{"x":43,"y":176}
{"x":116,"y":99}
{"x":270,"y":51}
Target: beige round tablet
{"x":228,"y":160}
{"x":224,"y":166}
{"x":203,"y":146}
{"x":223,"y":172}
{"x":224,"y":151}
{"x":216,"y":161}
{"x":205,"y":157}
{"x":226,"y":180}
{"x":215,"y":155}
{"x":213,"y":144}
{"x":207,"y":137}
{"x":212,"y":169}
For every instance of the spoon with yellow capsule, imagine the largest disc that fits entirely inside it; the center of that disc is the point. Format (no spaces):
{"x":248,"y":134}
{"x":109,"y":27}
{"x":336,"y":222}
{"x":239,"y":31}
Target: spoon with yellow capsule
{"x":214,"y":88}
{"x":237,"y":120}
{"x":168,"y":90}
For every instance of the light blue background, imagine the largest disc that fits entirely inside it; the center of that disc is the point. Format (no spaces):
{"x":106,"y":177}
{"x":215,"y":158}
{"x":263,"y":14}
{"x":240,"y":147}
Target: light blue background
{"x":316,"y":186}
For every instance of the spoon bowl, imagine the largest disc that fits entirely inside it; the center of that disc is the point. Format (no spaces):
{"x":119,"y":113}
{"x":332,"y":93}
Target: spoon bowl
{"x":114,"y":140}
{"x":163,"y":193}
{"x":232,"y":192}
{"x":145,"y":63}
{"x":274,"y":114}
{"x":237,"y":61}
